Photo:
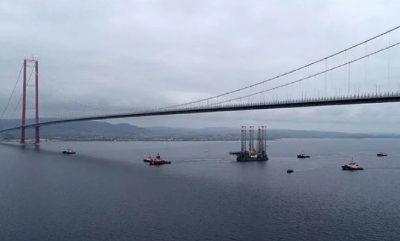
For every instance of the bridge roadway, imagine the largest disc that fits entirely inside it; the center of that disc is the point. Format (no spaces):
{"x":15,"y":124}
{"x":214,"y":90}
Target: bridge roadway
{"x":358,"y":99}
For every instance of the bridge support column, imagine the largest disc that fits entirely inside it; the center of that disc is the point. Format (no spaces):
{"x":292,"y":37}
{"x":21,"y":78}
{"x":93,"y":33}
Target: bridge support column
{"x":23,"y":118}
{"x":37,"y":133}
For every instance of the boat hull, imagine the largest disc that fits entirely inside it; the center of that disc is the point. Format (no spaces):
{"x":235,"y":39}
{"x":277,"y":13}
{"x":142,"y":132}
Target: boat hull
{"x":251,"y":159}
{"x":302,"y":156}
{"x":159,"y":162}
{"x":246,"y":157}
{"x":347,"y":168}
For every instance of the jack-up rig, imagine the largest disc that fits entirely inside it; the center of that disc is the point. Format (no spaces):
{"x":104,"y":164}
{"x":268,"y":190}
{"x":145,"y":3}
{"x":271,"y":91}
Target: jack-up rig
{"x":254,"y":153}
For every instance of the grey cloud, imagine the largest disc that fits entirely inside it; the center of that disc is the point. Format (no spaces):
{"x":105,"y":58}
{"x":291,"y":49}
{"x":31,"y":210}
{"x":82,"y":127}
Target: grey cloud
{"x":108,"y":56}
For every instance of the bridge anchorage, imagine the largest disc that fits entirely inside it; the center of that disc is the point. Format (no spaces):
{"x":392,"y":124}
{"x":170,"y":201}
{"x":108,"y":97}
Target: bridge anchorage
{"x":30,"y":63}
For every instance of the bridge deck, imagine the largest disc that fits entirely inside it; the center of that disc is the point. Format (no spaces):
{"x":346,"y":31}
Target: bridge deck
{"x":365,"y":99}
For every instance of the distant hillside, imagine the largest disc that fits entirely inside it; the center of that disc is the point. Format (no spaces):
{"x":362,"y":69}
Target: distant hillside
{"x":98,"y":130}
{"x":85,"y":130}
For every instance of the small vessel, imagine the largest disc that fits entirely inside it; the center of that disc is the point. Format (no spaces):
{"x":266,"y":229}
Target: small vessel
{"x":289,"y":171}
{"x":380,"y":154}
{"x":158,"y":161}
{"x":69,"y":151}
{"x":352,"y":166}
{"x":303,"y":155}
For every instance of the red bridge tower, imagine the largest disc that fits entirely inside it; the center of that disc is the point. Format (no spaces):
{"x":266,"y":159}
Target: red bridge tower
{"x":35,"y":64}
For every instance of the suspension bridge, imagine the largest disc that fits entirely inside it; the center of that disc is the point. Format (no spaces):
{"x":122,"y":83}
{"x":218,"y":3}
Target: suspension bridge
{"x":363,"y":73}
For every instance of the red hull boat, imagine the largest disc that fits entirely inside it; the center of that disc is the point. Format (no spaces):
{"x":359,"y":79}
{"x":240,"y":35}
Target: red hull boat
{"x":156,"y":161}
{"x":352,"y":166}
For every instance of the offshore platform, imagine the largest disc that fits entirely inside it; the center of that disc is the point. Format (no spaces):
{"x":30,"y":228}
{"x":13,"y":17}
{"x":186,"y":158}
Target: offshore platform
{"x":253,"y":153}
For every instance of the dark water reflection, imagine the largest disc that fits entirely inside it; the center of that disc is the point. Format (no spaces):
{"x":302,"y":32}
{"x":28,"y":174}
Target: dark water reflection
{"x":106,"y":192}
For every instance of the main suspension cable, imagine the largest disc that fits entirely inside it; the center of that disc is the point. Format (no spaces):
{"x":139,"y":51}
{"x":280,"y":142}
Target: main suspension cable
{"x":12,"y":93}
{"x":310,"y":76}
{"x":288,"y":72}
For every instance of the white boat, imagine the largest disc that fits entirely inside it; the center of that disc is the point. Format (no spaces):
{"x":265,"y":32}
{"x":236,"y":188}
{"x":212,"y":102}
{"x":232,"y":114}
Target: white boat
{"x":69,"y":151}
{"x":352,"y":166}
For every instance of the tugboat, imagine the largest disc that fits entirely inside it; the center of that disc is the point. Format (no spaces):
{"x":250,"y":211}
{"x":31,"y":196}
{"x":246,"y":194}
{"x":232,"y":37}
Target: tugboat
{"x":158,"y":161}
{"x":289,"y":171}
{"x":69,"y":151}
{"x":302,"y":156}
{"x":380,"y":154}
{"x":352,"y":166}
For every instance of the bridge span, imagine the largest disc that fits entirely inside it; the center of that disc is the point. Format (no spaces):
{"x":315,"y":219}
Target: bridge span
{"x":364,"y":67}
{"x":311,"y":102}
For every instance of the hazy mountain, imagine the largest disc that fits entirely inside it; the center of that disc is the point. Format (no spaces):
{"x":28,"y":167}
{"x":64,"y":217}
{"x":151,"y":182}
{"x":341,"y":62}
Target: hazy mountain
{"x":98,"y":130}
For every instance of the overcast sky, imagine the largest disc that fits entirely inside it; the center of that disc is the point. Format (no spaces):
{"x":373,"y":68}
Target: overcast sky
{"x":105,"y":56}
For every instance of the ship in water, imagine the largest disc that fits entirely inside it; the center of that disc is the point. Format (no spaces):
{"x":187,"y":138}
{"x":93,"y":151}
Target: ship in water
{"x":156,"y":161}
{"x":251,"y":152}
{"x":302,"y":155}
{"x":352,"y":166}
{"x":381,"y":154}
{"x":69,"y":151}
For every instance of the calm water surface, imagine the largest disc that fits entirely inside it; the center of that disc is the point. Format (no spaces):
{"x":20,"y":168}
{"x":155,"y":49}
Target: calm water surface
{"x":106,"y":192}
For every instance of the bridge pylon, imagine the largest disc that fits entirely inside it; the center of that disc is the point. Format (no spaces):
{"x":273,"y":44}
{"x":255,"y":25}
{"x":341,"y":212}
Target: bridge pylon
{"x":35,"y":64}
